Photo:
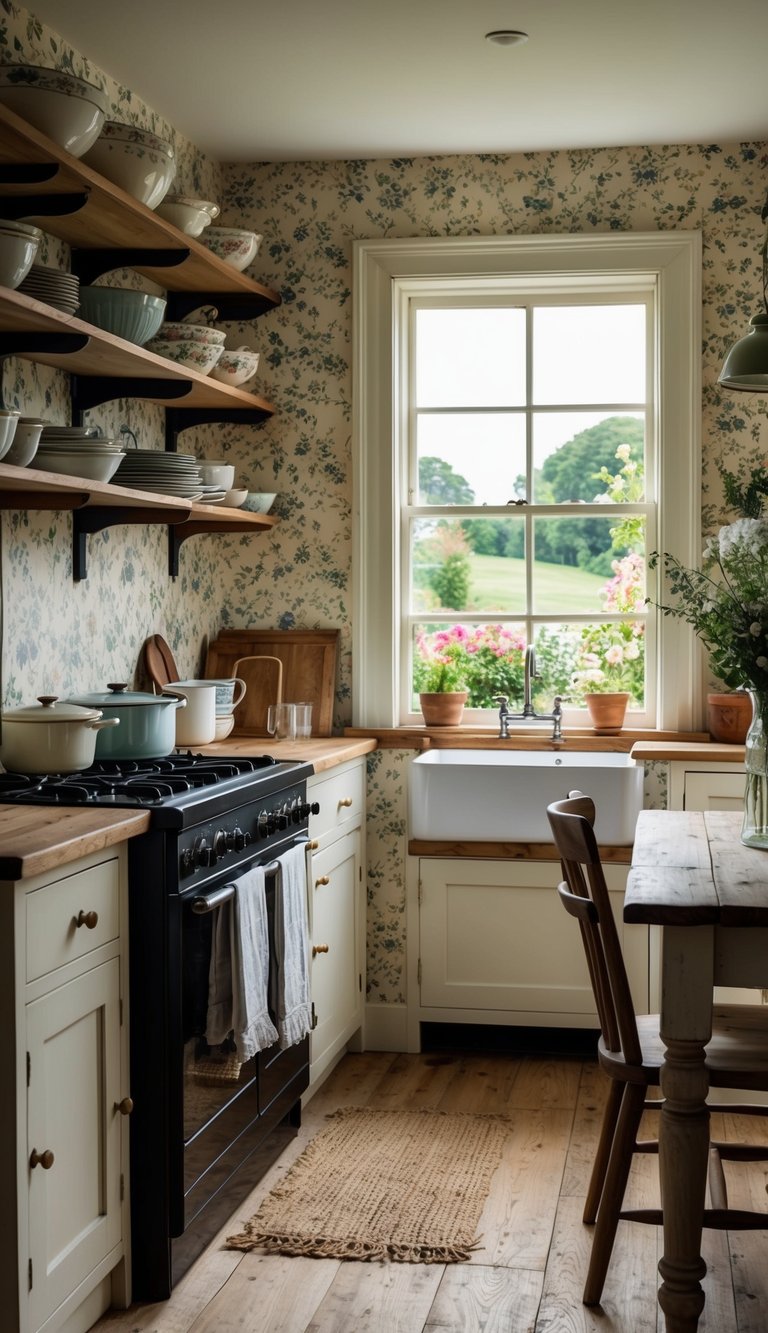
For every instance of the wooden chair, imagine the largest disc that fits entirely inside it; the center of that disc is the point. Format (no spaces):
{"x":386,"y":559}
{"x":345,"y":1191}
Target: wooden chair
{"x":630,"y":1051}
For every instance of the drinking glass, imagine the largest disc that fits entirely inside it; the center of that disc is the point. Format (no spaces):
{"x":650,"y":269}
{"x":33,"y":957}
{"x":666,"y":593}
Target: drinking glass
{"x":281,"y":721}
{"x":303,"y":721}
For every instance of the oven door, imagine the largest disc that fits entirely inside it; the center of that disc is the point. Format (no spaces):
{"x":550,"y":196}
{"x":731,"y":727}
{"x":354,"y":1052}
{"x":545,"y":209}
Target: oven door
{"x":224,"y":1109}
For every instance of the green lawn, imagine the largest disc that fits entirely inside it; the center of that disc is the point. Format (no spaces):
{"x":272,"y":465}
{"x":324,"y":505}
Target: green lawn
{"x":498,"y":584}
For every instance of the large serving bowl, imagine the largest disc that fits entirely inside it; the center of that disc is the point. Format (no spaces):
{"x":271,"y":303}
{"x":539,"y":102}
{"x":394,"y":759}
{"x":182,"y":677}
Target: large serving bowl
{"x":194,"y":355}
{"x":234,"y":246}
{"x":135,"y":316}
{"x":196,"y":333}
{"x":67,"y":109}
{"x":236,"y":367}
{"x":138,"y":161}
{"x":191,"y":216}
{"x":93,"y":464}
{"x":18,"y":247}
{"x":24,"y":444}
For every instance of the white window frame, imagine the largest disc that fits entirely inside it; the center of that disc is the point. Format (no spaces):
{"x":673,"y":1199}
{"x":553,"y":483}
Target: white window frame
{"x":387,"y":274}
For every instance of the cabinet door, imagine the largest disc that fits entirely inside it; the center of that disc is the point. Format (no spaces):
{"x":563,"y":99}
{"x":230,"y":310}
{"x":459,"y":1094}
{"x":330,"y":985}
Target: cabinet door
{"x":714,"y":791}
{"x":73,"y":1037}
{"x":494,"y":936}
{"x":335,"y":907}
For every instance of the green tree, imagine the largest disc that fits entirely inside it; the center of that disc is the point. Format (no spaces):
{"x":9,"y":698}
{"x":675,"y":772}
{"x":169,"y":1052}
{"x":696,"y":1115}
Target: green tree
{"x":440,"y":485}
{"x":571,"y":469}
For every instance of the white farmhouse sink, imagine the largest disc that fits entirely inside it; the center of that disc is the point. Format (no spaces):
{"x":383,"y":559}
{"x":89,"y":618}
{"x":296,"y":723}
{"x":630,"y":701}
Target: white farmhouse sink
{"x":502,"y":795}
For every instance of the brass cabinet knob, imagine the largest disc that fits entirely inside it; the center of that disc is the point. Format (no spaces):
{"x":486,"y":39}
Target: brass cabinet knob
{"x":324,"y":879}
{"x":313,"y":845}
{"x":125,"y":1106}
{"x":43,"y":1159}
{"x":319,"y":948}
{"x":346,"y":800}
{"x":87,"y":919}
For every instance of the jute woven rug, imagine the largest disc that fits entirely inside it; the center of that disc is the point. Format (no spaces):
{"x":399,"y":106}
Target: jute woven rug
{"x":402,"y":1185}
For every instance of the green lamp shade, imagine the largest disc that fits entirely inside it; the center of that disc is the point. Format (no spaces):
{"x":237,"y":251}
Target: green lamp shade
{"x":746,"y":365}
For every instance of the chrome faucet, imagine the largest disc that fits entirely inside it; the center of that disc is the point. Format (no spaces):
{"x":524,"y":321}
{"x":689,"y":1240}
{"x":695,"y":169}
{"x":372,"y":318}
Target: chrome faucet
{"x":529,"y":713}
{"x":530,"y":674}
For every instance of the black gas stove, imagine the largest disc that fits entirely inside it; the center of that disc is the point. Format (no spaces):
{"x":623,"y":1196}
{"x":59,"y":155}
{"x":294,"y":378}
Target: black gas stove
{"x":197,"y":1146}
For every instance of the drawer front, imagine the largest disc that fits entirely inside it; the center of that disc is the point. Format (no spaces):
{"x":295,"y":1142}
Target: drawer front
{"x":341,"y":798}
{"x":53,"y":935}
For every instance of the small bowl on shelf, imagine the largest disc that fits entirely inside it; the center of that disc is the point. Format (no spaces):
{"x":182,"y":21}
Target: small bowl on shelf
{"x":134,"y":316}
{"x":236,"y":367}
{"x":25,"y":440}
{"x":233,"y":245}
{"x":218,"y":474}
{"x":224,"y":725}
{"x":138,"y":161}
{"x":235,"y":499}
{"x":68,"y":109}
{"x":18,"y":247}
{"x":9,"y":420}
{"x":191,"y":216}
{"x":201,"y":357}
{"x":94,"y":466}
{"x":197,"y":333}
{"x":259,"y":502}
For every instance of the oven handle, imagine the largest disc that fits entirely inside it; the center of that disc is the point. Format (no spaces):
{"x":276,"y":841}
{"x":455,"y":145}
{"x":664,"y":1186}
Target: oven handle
{"x":208,"y":902}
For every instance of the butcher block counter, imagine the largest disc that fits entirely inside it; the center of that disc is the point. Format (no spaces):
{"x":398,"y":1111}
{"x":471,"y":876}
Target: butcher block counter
{"x":35,"y":839}
{"x":322,"y":752}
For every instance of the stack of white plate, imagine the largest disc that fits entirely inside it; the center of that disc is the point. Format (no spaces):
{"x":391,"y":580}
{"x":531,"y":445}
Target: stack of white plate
{"x":78,"y":452}
{"x":51,"y":285}
{"x":166,"y":473}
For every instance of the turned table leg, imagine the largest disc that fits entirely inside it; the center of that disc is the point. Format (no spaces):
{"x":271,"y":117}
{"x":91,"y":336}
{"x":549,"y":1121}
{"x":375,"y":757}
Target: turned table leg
{"x":686,"y":1026}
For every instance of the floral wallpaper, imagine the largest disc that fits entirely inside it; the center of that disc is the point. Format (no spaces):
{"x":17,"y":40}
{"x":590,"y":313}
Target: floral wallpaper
{"x":309,"y":213}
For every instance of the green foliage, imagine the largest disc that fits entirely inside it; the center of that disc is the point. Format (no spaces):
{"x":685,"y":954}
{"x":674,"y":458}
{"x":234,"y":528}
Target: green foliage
{"x":488,"y":659}
{"x":440,"y":485}
{"x":448,"y":571}
{"x":747,"y":499}
{"x":572,"y":470}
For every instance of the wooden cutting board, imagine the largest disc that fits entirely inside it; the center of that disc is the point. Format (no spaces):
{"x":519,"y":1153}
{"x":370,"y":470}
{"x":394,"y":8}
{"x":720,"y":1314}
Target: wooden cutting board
{"x":263,"y":677}
{"x":309,"y":658}
{"x":159,"y":663}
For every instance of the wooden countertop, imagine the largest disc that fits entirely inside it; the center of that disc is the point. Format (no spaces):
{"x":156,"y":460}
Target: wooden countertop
{"x":708,"y":752}
{"x":520,"y":738}
{"x":322,"y":751}
{"x":35,"y":839}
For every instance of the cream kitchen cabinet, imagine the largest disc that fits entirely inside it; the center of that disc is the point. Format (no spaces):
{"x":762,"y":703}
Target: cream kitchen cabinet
{"x":63,"y":996}
{"x":495,"y":945}
{"x":337,"y":914}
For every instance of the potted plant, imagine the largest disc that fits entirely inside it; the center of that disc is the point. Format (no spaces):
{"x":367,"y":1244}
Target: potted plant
{"x":439,"y":680}
{"x":610,"y":661}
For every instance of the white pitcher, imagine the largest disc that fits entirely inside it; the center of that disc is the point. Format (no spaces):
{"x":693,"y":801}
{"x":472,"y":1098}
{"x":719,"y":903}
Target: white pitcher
{"x":199,"y":717}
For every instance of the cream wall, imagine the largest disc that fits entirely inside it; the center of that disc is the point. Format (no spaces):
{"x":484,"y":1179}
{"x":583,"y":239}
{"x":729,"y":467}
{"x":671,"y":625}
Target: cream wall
{"x":59,"y":636}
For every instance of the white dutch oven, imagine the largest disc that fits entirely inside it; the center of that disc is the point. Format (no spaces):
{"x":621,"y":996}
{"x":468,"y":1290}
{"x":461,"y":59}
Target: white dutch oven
{"x":51,"y":737}
{"x":196,"y":725}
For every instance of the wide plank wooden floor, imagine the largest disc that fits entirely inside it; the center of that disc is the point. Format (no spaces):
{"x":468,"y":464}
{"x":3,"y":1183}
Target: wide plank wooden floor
{"x":528,"y":1276}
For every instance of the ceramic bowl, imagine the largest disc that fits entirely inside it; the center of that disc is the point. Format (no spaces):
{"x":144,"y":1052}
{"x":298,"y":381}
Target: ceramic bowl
{"x":196,"y":333}
{"x":234,"y":499}
{"x":67,"y":109}
{"x":134,"y":316}
{"x":24,"y":444}
{"x":196,"y":356}
{"x":9,"y":420}
{"x":191,"y":216}
{"x":234,"y":246}
{"x":95,"y":466}
{"x":139,"y":162}
{"x":217,"y":474}
{"x":224,"y":725}
{"x":234,"y":368}
{"x":259,"y":502}
{"x":17,"y":253}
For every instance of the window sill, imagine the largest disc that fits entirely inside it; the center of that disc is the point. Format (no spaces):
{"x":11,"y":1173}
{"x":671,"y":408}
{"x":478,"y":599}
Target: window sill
{"x":522,"y":738}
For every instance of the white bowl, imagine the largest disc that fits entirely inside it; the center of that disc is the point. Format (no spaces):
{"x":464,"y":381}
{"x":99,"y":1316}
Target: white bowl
{"x":197,"y":356}
{"x":234,"y":499}
{"x":236,"y":367}
{"x":196,"y":333}
{"x":24,"y":443}
{"x":191,"y":216}
{"x":259,"y":502}
{"x":217,"y":474}
{"x":17,"y":253}
{"x":234,"y":246}
{"x":224,"y":725}
{"x":9,"y":420}
{"x":96,"y":467}
{"x":137,"y":160}
{"x":67,"y":109}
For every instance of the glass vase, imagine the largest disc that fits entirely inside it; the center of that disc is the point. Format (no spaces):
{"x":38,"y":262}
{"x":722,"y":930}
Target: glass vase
{"x":754,"y":830}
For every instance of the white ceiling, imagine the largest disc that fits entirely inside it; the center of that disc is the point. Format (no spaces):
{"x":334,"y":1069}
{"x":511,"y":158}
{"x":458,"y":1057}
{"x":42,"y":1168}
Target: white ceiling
{"x":283,"y":80}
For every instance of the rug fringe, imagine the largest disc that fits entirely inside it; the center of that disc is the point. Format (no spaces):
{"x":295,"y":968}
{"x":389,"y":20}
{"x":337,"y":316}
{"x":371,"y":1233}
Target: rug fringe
{"x":323,"y":1247}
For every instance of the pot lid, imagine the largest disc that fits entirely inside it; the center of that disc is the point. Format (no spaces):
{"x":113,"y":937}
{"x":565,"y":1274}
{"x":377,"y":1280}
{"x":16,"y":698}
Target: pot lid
{"x":52,"y":709}
{"x":119,"y":696}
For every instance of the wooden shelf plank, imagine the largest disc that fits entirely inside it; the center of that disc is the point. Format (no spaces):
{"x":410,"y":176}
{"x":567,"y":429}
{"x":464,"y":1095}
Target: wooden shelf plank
{"x":112,"y":219}
{"x":106,"y":356}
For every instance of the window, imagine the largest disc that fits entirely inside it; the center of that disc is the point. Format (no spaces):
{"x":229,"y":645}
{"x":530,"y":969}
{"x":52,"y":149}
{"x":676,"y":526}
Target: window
{"x":526,"y":432}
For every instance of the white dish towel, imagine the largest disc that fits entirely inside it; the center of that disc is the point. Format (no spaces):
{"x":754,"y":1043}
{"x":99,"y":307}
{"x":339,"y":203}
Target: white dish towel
{"x":239,"y":973}
{"x":292,"y":1000}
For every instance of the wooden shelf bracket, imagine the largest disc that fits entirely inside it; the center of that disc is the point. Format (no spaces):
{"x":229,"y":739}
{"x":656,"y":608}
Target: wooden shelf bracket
{"x":180,"y":531}
{"x":96,"y":518}
{"x":240,"y":306}
{"x":92,"y":390}
{"x":178,"y":419}
{"x":90,"y":264}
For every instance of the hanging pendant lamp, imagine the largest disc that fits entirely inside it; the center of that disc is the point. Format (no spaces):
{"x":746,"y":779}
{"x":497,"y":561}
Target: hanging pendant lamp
{"x":746,"y":365}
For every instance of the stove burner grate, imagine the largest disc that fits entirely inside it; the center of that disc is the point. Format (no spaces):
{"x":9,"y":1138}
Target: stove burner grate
{"x":133,"y":781}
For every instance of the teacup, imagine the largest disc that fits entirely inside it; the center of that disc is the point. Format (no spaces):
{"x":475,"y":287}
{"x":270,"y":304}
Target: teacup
{"x":229,"y":692}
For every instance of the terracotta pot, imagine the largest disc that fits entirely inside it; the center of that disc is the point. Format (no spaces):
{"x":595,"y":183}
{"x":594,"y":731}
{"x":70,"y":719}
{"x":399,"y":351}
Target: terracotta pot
{"x":443,"y":710}
{"x":729,"y":716}
{"x":607,"y":712}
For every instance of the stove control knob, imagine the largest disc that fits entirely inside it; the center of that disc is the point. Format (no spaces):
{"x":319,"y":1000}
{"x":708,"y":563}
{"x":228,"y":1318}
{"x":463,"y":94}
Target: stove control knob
{"x":283,"y":817}
{"x":314,"y":808}
{"x":203,"y":854}
{"x":262,"y":824}
{"x":240,"y":839}
{"x":221,"y":843}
